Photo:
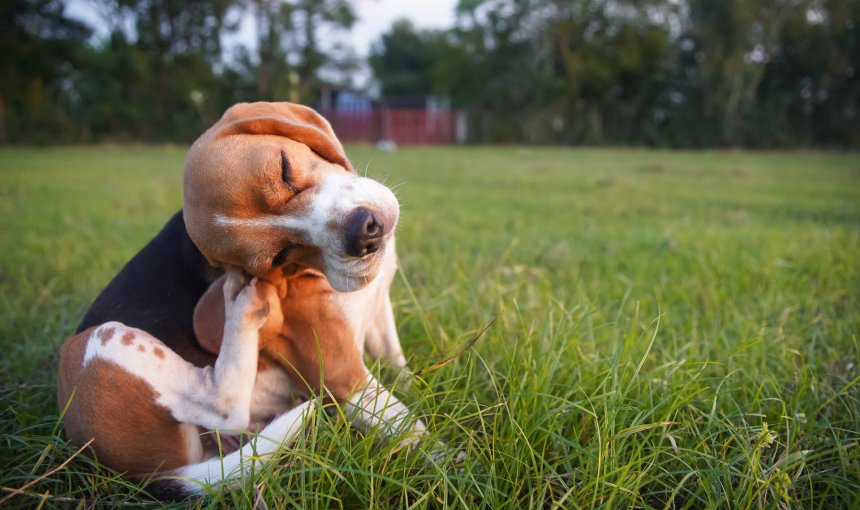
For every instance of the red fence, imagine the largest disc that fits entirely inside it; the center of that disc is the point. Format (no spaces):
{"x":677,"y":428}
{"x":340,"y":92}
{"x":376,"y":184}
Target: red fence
{"x":405,"y":126}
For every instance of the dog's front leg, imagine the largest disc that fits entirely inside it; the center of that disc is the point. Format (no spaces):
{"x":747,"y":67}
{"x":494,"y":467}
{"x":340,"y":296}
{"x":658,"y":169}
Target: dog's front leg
{"x":220,"y":396}
{"x":381,"y":339}
{"x":375,"y":407}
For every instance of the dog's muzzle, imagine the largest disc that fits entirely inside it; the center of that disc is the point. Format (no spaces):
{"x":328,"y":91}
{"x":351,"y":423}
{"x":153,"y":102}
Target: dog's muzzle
{"x":364,"y":233}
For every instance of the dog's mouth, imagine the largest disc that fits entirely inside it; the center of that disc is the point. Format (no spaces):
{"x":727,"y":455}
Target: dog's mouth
{"x":349,"y":281}
{"x":344,"y":271}
{"x":351,"y":273}
{"x":359,"y":245}
{"x":287,"y":257}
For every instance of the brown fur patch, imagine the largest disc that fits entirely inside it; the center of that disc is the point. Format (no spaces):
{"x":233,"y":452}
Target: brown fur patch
{"x":208,"y":320}
{"x":71,"y":358}
{"x":105,"y":335}
{"x":132,"y":432}
{"x":158,"y":353}
{"x":310,"y":315}
{"x":141,"y":348}
{"x":128,"y":338}
{"x":314,"y":324}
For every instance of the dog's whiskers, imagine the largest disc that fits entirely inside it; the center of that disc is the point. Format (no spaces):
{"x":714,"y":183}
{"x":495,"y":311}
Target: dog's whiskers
{"x":367,"y":166}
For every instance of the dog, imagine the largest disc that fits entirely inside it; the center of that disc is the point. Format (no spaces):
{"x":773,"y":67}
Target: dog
{"x":265,"y":290}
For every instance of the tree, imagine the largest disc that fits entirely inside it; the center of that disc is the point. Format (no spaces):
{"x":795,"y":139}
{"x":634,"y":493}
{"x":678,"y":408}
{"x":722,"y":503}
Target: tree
{"x":759,"y":73}
{"x":182,"y":40}
{"x":502,"y":70}
{"x":810,"y":93}
{"x":564,"y":71}
{"x":40,"y":46}
{"x":272,"y":18}
{"x":290,"y":56}
{"x":314,"y":14}
{"x":405,"y":60}
{"x":732,"y":42}
{"x":611,"y":61}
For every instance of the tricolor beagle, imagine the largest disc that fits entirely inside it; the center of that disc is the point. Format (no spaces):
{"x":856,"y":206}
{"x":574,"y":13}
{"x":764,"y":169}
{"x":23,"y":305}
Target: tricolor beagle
{"x":181,"y":344}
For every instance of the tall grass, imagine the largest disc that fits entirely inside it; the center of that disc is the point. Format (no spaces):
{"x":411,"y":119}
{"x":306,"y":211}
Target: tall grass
{"x":672,"y":330}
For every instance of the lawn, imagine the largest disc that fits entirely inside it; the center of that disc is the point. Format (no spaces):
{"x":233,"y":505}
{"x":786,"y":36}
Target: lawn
{"x":672,"y":329}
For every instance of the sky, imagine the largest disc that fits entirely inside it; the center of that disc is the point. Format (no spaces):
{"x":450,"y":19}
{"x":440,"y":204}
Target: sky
{"x":374,"y":18}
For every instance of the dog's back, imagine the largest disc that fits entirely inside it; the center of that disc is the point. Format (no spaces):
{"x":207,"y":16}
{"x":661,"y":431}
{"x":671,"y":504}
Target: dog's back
{"x":157,"y":291}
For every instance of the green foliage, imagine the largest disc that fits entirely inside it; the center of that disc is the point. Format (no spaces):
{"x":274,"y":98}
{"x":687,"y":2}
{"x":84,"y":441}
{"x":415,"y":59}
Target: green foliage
{"x":405,"y":59}
{"x":38,"y":45}
{"x":160,"y":74}
{"x":673,"y":329}
{"x":680,"y":73}
{"x":695,"y":73}
{"x":812,"y":90}
{"x":290,"y":56}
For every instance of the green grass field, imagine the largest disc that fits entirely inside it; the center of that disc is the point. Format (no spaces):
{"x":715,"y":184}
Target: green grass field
{"x":673,"y":329}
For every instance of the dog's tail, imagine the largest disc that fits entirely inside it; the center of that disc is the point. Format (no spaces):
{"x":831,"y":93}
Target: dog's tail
{"x":196,"y":479}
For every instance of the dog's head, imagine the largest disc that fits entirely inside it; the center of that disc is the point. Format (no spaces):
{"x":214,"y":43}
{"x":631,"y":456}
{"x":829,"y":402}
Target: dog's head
{"x":269,"y":188}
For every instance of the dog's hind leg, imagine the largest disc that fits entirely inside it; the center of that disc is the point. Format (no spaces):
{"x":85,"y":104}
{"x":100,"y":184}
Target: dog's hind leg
{"x":118,"y":410}
{"x":373,"y":406}
{"x":220,"y":396}
{"x":142,"y":403}
{"x":192,"y":479}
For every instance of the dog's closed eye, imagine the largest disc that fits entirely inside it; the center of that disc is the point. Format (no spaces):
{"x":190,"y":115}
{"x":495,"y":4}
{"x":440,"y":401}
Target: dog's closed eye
{"x":286,"y":173}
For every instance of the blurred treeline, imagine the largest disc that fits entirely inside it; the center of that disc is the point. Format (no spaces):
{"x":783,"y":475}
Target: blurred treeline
{"x":681,"y":73}
{"x":160,"y":73}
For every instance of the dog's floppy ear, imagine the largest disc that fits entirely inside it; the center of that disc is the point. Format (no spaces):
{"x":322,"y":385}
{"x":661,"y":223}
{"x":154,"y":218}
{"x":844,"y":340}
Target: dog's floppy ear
{"x":209,"y":317}
{"x":290,"y":120}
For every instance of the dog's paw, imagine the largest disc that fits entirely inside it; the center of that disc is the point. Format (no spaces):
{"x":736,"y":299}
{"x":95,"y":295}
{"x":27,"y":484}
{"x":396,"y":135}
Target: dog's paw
{"x":246,"y":305}
{"x":271,"y":294}
{"x":234,"y":282}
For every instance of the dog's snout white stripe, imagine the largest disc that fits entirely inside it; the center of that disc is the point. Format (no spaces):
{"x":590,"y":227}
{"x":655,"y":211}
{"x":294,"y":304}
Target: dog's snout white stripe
{"x":321,"y":223}
{"x":270,"y":221}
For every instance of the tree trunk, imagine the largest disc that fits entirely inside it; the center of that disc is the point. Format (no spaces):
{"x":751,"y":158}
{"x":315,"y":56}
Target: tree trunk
{"x":165,"y":94}
{"x":3,"y":140}
{"x":307,"y":70}
{"x":266,"y":42}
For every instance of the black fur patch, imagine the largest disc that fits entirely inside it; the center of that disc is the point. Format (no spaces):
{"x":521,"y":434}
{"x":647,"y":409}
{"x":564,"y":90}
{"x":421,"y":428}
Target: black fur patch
{"x":157,"y":291}
{"x":167,"y":489}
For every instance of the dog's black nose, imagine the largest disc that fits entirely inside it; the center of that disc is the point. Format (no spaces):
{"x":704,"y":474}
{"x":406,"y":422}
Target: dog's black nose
{"x":363,"y":233}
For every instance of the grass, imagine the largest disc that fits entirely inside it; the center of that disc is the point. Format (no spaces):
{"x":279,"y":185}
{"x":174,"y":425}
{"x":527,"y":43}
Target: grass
{"x":673,"y":329}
